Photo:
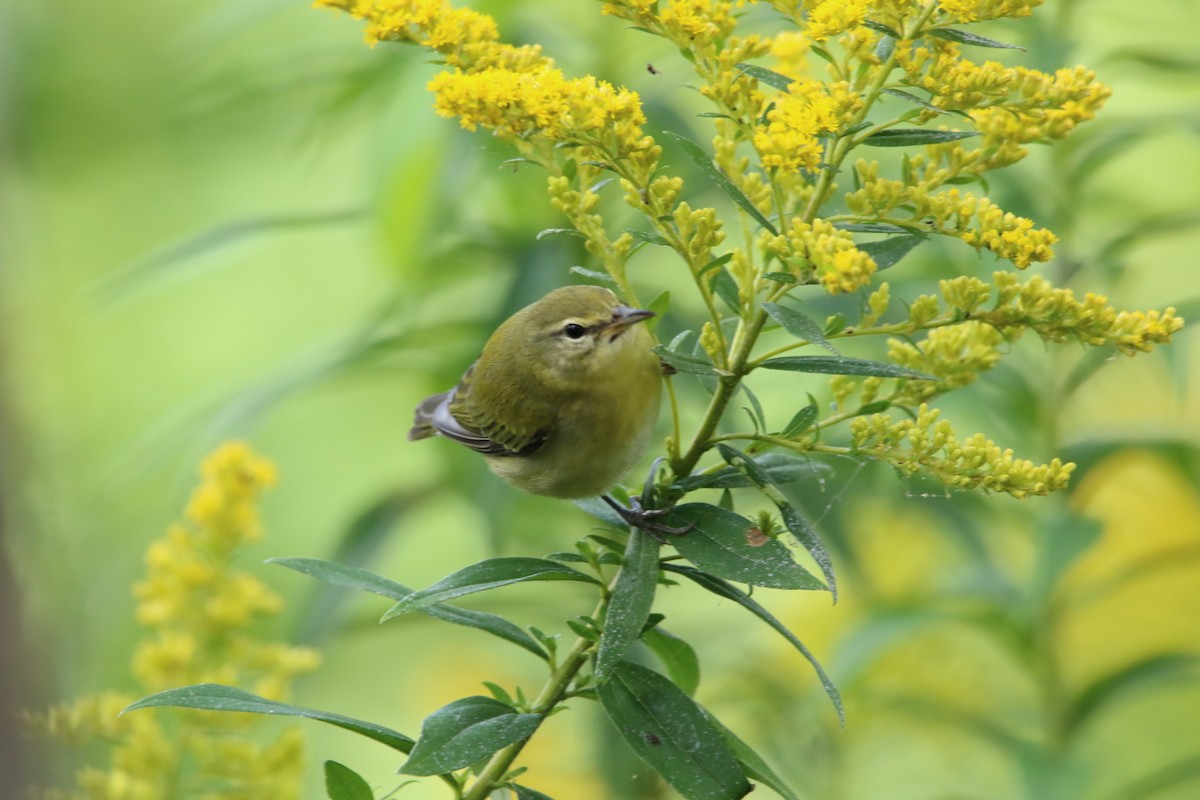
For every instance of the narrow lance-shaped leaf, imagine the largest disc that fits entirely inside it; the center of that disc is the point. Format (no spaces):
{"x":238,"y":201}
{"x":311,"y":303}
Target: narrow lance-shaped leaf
{"x":727,"y":590}
{"x":343,"y":783}
{"x":792,"y":518}
{"x":887,"y":253}
{"x":723,"y":286}
{"x":803,"y":420}
{"x":490,"y":574}
{"x":799,"y":324}
{"x":720,"y":543}
{"x":962,"y":37}
{"x":756,"y":766}
{"x":683,"y":362}
{"x":909,"y":137}
{"x":782,"y":467}
{"x":672,"y":734}
{"x":676,"y":655}
{"x":764,"y":75}
{"x":704,"y":161}
{"x":465,"y":731}
{"x":829,"y":365}
{"x":912,"y":98}
{"x":215,"y":697}
{"x":632,"y":597}
{"x":354,"y":578}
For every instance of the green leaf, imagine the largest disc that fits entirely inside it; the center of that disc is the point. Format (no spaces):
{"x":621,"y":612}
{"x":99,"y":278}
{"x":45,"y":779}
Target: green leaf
{"x":323,"y":608}
{"x":908,"y":137}
{"x":343,"y":783}
{"x":718,"y":544}
{"x":702,"y":160}
{"x":759,"y":420}
{"x":799,"y":324}
{"x":723,"y":286}
{"x":601,"y":511}
{"x":659,"y":306}
{"x":962,"y":37}
{"x":648,"y":238}
{"x":1160,"y":781}
{"x":727,"y":590}
{"x":672,"y":734}
{"x":803,"y":420}
{"x":719,"y":261}
{"x":215,"y":697}
{"x":694,"y":365}
{"x":755,"y":766}
{"x":1061,"y":540}
{"x":559,"y":232}
{"x":828,"y":365}
{"x":782,"y":467}
{"x":632,"y":598}
{"x":355,"y":578}
{"x":490,"y":574}
{"x":676,"y":655}
{"x":525,"y":793}
{"x":182,"y":255}
{"x":764,"y":75}
{"x":593,"y":275}
{"x":465,"y":731}
{"x":869,"y":227}
{"x":912,"y":98}
{"x":887,"y":252}
{"x":1149,"y":673}
{"x":795,"y":521}
{"x":879,"y":27}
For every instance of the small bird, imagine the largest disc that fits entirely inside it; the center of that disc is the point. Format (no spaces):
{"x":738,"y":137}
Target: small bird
{"x":561,"y":401}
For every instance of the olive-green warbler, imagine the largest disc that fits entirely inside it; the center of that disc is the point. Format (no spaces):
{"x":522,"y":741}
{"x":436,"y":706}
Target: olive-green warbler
{"x":562,"y":399}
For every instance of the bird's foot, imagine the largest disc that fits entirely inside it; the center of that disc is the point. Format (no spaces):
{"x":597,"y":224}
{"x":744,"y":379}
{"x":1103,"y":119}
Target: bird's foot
{"x":646,"y":518}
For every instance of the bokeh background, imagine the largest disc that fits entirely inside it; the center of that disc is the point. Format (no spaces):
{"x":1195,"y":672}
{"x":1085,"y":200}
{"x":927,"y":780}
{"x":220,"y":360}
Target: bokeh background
{"x":231,"y":219}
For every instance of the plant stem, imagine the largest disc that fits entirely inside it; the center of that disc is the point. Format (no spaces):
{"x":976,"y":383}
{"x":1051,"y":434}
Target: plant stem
{"x":548,"y":698}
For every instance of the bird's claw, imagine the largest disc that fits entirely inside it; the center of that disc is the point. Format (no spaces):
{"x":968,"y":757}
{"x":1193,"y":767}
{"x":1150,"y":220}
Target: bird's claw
{"x":644,"y":518}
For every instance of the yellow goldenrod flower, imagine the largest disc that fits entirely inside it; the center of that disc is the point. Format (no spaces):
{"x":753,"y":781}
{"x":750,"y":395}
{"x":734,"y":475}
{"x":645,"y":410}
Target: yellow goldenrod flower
{"x":955,"y":355}
{"x":791,"y":138}
{"x":822,"y":253}
{"x":975,"y":10}
{"x":831,"y":17}
{"x":199,"y":611}
{"x":928,"y":444}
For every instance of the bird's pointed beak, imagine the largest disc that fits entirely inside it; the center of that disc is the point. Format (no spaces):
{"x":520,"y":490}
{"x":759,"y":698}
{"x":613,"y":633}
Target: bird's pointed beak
{"x":623,"y":317}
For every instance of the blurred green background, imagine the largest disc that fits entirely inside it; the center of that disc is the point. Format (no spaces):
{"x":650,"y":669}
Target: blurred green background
{"x":232,"y":219}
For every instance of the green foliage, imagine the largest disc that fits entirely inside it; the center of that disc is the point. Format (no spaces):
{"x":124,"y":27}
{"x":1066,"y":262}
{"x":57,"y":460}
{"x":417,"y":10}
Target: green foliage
{"x":472,"y":743}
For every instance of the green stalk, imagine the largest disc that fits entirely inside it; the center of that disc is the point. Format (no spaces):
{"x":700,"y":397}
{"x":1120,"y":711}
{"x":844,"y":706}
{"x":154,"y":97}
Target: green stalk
{"x":547,"y":700}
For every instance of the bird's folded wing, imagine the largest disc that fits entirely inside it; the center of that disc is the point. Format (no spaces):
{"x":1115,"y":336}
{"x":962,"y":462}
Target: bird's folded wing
{"x":456,"y":417}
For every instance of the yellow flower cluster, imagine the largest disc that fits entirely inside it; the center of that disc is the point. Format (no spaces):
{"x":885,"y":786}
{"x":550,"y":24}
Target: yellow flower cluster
{"x":831,"y":17}
{"x":819,"y":252}
{"x":975,"y":10}
{"x":956,"y":355}
{"x":199,"y":609}
{"x":539,"y":102}
{"x":1058,"y":316}
{"x":698,"y":22}
{"x":975,"y":220}
{"x":431,"y":23}
{"x":928,"y":444}
{"x":1054,"y":314}
{"x":791,"y":138}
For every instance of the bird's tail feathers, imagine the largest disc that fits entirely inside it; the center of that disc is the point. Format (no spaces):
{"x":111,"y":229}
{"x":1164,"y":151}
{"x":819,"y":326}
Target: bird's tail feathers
{"x":423,"y":426}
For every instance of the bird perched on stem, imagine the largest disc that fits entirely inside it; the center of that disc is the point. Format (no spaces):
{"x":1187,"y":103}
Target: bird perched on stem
{"x":561,"y":401}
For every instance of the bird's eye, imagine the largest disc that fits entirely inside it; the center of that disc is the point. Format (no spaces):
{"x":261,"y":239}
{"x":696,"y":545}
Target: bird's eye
{"x":574,"y":330}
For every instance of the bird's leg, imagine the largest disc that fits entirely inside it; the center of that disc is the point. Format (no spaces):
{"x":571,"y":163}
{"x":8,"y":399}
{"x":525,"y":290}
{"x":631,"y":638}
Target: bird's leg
{"x":636,"y":516}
